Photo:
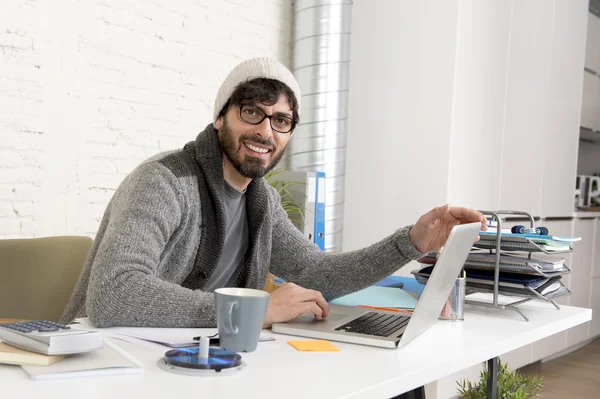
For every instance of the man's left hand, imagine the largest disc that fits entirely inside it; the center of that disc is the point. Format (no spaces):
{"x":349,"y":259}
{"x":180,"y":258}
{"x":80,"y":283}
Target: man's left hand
{"x":432,"y":229}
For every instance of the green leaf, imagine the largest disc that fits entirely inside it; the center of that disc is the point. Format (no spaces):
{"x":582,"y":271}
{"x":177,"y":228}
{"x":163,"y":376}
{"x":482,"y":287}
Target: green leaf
{"x":511,"y":385}
{"x":293,"y":210}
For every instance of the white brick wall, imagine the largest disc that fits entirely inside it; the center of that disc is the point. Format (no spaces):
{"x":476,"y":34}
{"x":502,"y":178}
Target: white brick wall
{"x":90,"y":89}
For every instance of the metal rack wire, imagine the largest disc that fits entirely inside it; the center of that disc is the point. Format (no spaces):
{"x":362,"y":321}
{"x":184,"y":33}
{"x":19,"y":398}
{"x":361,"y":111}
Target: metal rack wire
{"x":512,"y":244}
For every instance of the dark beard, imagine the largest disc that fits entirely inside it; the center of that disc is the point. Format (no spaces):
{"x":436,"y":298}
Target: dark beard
{"x":249,"y":167}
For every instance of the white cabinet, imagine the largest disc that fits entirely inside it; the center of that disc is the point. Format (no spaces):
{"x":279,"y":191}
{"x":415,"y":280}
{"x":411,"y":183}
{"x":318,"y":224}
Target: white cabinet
{"x":590,"y":107}
{"x":557,"y":342}
{"x":581,"y":270}
{"x":561,"y":125}
{"x":595,"y":326}
{"x":581,"y":264}
{"x":596,"y":105}
{"x":589,"y":102}
{"x":592,"y":48}
{"x":447,"y":387}
{"x":595,"y":283}
{"x":596,"y":257}
{"x":526,"y":88}
{"x":517,"y":358}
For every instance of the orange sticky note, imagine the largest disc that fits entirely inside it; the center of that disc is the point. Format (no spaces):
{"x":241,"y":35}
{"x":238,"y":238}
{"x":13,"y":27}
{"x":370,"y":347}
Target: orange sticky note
{"x":314,"y":346}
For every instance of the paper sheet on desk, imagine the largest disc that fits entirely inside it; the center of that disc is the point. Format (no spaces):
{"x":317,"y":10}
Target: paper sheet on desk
{"x":171,"y":337}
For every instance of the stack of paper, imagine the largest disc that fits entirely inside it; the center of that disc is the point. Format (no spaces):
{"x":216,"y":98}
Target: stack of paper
{"x":517,"y":242}
{"x":508,"y":263}
{"x":492,"y":226}
{"x":534,"y":237}
{"x":150,"y":336}
{"x":516,"y":264}
{"x":550,"y":288}
{"x":110,"y":360}
{"x":508,"y":282}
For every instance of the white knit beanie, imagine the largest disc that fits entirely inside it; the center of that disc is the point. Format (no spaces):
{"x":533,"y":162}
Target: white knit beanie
{"x":251,"y":69}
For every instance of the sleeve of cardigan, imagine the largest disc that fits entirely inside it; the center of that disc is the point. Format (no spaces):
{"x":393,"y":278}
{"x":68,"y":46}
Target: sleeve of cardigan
{"x":124,"y":289}
{"x":296,"y":259}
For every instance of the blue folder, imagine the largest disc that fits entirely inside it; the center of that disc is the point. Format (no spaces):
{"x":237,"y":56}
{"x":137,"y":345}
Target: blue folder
{"x":385,"y":297}
{"x":409,"y":284}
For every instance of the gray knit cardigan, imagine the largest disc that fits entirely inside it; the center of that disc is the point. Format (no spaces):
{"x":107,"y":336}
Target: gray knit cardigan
{"x":163,"y":232}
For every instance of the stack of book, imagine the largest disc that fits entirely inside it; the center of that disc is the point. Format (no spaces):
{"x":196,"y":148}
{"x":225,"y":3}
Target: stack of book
{"x":12,"y":355}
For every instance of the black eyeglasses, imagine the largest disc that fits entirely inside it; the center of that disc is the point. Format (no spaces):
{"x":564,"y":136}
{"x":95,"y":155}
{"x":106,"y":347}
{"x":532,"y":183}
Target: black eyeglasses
{"x":254,"y":116}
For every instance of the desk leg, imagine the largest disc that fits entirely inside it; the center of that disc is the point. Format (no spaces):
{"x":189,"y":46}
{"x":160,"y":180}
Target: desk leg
{"x":417,"y":393}
{"x":492,"y":382}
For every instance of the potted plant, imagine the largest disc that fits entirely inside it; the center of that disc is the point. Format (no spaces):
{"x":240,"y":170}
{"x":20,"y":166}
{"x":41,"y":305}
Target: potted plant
{"x":511,"y":385}
{"x":293,"y":211}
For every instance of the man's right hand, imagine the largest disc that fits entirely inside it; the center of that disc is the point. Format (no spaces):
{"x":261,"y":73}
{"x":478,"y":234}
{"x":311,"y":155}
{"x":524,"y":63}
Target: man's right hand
{"x":290,"y":301}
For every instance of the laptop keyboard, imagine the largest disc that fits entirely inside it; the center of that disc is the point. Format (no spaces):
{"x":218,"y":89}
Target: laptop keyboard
{"x":375,"y":323}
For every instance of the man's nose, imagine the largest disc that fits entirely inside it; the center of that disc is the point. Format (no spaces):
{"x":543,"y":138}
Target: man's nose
{"x":264,"y":129}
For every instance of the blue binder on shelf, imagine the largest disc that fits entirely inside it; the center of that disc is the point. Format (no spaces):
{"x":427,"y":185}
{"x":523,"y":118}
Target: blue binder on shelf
{"x":308,"y":192}
{"x":320,"y":211}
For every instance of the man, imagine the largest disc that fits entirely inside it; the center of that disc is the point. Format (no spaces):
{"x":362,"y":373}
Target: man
{"x":186,"y":222}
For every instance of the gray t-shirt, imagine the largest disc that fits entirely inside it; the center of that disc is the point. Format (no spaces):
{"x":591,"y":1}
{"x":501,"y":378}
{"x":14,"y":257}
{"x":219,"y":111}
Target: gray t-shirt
{"x":236,"y":240}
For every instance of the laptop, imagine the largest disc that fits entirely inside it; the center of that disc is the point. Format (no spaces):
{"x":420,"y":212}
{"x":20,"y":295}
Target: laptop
{"x":388,"y":329}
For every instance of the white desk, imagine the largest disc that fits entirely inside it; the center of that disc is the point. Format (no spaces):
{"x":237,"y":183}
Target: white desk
{"x":278,"y":370}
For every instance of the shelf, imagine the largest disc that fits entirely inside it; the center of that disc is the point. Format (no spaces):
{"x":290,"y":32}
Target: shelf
{"x":548,"y":283}
{"x":586,"y":214}
{"x":528,"y":269}
{"x":589,"y":135}
{"x":512,"y":290}
{"x":520,"y":292}
{"x":514,"y":243}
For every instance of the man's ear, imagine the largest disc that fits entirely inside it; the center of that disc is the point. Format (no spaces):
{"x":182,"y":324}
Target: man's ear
{"x":219,"y":122}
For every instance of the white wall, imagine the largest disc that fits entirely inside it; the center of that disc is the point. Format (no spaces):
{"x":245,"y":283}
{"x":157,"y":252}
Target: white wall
{"x":90,"y":89}
{"x":399,"y":115}
{"x":448,"y":101}
{"x":479,"y":103}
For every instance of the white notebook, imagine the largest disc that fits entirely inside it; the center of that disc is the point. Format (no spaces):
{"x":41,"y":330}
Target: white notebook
{"x":110,"y":360}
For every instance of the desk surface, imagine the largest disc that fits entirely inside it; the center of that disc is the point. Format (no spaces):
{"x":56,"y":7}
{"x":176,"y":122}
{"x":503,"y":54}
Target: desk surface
{"x":278,"y":370}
